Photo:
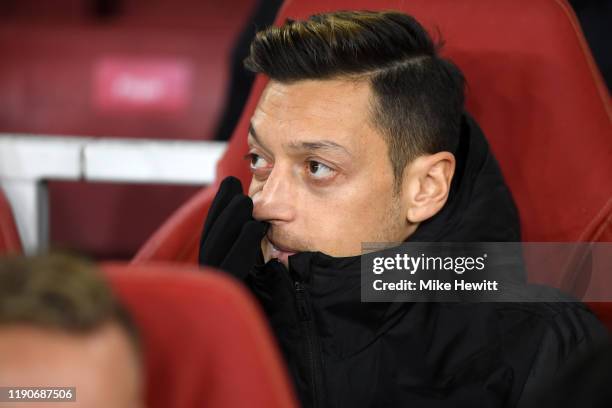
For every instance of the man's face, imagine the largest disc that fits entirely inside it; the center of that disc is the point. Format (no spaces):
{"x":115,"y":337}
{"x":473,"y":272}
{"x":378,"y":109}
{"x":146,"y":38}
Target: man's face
{"x":103,"y":365}
{"x":321,"y":173}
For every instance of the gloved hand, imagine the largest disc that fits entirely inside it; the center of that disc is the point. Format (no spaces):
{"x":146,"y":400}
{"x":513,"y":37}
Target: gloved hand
{"x":231,"y":238}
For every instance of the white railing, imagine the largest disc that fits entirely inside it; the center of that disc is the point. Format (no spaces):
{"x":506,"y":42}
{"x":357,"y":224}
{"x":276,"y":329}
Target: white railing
{"x":28,"y":161}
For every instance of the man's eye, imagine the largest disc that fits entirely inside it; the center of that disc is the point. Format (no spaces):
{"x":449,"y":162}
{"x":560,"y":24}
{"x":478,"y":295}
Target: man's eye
{"x":319,"y":170}
{"x":256,"y":161}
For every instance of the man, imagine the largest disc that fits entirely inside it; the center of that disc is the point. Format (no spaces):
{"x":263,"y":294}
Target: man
{"x":361,"y":136}
{"x":60,"y":326}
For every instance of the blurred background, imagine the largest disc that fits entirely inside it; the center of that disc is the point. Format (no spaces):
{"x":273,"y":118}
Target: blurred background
{"x":131,"y":70}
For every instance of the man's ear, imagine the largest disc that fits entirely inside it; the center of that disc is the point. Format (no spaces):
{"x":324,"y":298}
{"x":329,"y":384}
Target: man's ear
{"x":426,"y":184}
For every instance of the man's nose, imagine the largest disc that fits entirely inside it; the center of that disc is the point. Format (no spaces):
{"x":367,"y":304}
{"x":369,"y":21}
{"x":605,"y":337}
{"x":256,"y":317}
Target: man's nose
{"x":274,"y":202}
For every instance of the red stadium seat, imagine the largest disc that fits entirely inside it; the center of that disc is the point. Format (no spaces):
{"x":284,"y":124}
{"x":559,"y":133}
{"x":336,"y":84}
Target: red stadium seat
{"x":10,"y":243}
{"x":204,"y":338}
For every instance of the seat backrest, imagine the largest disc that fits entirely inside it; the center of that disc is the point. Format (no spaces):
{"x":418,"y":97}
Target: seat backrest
{"x":532,"y":86}
{"x":10,"y":242}
{"x":204,"y":339}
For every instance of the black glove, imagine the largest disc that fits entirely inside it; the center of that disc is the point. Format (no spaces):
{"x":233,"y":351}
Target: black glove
{"x":231,"y":239}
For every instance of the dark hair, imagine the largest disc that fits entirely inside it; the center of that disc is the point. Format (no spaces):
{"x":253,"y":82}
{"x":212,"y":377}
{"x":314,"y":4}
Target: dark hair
{"x":419,"y":95}
{"x":59,"y":292}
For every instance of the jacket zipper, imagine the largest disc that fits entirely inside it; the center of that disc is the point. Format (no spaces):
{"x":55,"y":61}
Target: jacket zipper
{"x":305,"y":316}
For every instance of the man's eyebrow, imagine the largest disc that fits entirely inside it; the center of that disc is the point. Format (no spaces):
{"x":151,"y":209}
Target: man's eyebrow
{"x":318,"y":145}
{"x":310,"y":146}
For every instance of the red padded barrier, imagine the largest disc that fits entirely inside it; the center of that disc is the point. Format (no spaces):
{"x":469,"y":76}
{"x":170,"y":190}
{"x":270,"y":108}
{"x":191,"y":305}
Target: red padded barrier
{"x":107,"y":220}
{"x":205,"y":341}
{"x":50,"y":78}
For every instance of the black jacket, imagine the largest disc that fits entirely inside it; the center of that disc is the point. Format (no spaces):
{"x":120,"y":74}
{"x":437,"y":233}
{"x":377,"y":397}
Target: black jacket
{"x":345,"y":353}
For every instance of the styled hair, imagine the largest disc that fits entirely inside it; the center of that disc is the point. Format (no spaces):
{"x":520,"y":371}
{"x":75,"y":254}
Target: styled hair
{"x":59,"y":292}
{"x":418,"y":95}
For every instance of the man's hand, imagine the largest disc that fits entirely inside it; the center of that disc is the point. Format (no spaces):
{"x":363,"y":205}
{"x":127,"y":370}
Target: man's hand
{"x":231,"y":237}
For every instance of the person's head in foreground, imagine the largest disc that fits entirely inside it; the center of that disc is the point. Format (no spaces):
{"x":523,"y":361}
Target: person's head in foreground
{"x":352,"y":139}
{"x":61,"y":326}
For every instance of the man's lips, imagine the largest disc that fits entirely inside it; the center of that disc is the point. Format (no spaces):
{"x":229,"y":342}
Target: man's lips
{"x":279,"y":247}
